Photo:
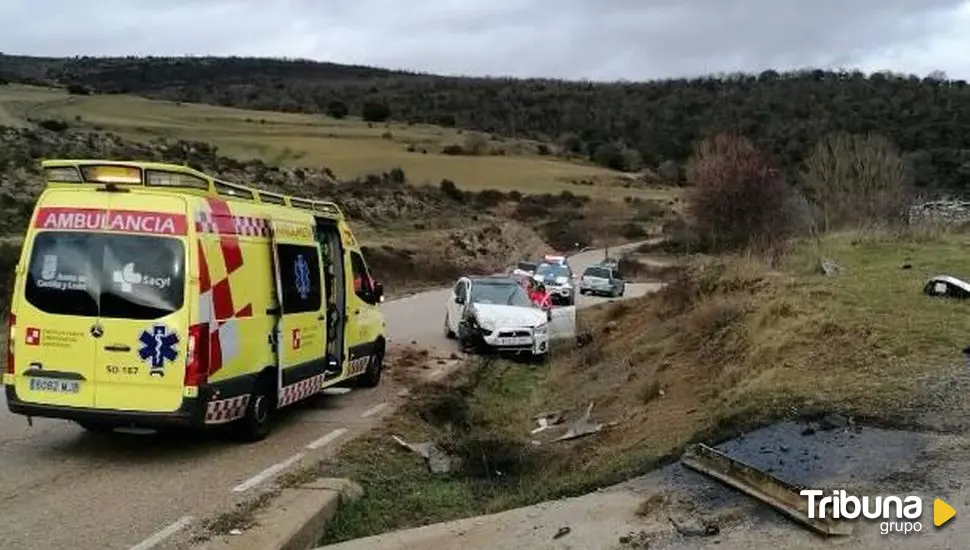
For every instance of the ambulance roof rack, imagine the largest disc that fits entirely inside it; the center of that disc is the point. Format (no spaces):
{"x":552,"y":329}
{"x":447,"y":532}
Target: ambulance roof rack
{"x":176,"y":177}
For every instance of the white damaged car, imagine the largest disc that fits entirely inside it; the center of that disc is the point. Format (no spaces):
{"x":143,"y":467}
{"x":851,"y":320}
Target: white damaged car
{"x":495,"y":313}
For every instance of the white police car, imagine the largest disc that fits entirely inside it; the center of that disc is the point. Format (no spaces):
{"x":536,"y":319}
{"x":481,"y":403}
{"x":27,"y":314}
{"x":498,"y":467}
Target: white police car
{"x":557,"y":277}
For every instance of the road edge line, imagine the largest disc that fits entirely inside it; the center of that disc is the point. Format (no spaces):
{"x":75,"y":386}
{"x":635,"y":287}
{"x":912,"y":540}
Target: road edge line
{"x":159,"y":536}
{"x":268,"y":473}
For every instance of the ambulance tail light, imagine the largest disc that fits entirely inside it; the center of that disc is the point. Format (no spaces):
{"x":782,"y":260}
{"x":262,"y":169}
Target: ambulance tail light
{"x":197,"y":355}
{"x":11,"y":338}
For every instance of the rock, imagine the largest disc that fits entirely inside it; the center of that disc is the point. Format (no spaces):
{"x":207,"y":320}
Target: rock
{"x":562,"y":532}
{"x":829,"y":267}
{"x":808,"y":431}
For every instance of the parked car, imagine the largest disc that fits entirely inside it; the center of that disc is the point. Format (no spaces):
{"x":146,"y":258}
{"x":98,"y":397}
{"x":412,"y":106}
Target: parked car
{"x":603,"y":279}
{"x":558,"y":280}
{"x":496,"y":313}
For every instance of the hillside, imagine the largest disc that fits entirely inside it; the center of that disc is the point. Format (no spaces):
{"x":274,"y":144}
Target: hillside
{"x":783,"y":113}
{"x":348,"y":146}
{"x":415,"y":235}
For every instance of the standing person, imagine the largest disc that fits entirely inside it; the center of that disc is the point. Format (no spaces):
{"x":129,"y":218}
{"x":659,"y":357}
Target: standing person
{"x":538,"y":295}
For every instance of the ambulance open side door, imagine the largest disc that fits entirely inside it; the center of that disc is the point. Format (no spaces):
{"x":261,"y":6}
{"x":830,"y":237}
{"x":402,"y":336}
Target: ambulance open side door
{"x":301,"y":338}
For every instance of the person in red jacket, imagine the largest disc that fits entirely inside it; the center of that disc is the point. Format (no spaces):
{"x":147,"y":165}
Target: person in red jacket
{"x":538,"y":295}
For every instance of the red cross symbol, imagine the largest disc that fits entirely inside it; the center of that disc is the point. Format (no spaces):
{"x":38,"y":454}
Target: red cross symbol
{"x":32,"y":336}
{"x":296,"y":338}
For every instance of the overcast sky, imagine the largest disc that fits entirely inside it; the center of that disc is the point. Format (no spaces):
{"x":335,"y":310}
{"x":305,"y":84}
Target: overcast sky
{"x":598,"y":39}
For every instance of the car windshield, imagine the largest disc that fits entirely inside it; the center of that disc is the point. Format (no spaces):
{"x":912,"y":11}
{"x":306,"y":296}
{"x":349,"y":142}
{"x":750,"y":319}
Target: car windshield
{"x":552,"y":270}
{"x":112,"y":276}
{"x":526,"y":266}
{"x":601,"y":272}
{"x":506,"y":293}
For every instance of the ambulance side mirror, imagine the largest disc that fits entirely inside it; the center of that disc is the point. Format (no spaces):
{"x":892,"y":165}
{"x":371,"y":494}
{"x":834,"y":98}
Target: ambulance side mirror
{"x":379,"y":291}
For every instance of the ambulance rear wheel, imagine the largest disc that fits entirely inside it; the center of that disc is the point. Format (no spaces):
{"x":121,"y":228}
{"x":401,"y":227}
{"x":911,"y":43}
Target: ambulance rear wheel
{"x":256,"y":423}
{"x":372,"y":376}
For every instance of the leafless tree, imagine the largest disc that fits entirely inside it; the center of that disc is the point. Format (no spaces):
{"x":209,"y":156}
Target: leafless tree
{"x":857,"y":181}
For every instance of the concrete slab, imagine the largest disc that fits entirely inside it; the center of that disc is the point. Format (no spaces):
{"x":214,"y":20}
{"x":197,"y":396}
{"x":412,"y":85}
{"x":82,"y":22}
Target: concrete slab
{"x":295,"y":521}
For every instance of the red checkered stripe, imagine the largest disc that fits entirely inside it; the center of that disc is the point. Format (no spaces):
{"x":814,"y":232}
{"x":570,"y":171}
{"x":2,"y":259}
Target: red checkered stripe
{"x":300,"y":390}
{"x":226,"y":410}
{"x":219,"y":221}
{"x":249,"y":226}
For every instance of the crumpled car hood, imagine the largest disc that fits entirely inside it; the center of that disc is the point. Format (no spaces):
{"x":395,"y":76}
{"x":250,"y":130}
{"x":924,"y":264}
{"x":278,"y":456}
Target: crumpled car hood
{"x":500,"y":316}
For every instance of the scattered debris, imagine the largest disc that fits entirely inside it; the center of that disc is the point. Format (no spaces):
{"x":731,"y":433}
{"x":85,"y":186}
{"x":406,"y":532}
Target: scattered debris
{"x":562,"y":532}
{"x":583,"y":339}
{"x":235,"y":532}
{"x":834,"y":422}
{"x":546,"y":420}
{"x":639,"y":540}
{"x":692,"y":527}
{"x":438,"y":461}
{"x":945,"y":286}
{"x":584,"y":426}
{"x":829,"y":267}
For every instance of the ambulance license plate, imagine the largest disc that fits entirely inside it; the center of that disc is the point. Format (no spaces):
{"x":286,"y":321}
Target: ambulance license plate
{"x":54,"y":385}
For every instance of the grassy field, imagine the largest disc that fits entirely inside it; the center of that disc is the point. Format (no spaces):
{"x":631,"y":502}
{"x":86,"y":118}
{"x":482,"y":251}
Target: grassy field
{"x":729,"y":345}
{"x":349,"y":147}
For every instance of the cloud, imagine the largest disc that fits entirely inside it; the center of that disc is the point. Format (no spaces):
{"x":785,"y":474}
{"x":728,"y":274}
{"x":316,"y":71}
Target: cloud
{"x":599,"y":39}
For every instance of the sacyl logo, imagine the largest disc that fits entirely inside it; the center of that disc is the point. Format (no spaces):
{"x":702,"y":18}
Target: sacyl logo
{"x":906,"y":510}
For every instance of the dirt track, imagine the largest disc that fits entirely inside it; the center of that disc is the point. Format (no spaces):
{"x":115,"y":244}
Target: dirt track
{"x":64,"y":488}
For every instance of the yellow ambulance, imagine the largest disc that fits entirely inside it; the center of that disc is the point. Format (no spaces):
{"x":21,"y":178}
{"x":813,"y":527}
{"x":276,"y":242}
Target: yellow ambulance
{"x":154,"y":295}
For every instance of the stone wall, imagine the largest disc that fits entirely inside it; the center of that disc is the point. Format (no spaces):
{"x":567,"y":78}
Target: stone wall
{"x":946,"y":211}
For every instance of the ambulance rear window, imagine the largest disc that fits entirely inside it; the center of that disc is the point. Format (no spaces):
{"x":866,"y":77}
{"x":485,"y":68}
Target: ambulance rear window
{"x":111,"y":276}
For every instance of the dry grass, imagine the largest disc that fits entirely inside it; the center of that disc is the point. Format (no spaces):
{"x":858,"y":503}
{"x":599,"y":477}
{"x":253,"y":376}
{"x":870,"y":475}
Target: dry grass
{"x":729,"y":345}
{"x":350,"y":147}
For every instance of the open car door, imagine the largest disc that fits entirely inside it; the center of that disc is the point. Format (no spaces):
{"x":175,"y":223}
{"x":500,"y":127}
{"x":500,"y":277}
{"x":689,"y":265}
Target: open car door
{"x":301,"y":329}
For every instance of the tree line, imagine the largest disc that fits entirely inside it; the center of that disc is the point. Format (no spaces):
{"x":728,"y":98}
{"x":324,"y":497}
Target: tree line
{"x":623,"y":125}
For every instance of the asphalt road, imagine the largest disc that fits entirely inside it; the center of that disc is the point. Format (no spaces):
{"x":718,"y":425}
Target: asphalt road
{"x":62,"y":487}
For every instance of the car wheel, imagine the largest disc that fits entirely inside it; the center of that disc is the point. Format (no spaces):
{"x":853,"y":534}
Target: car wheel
{"x":372,"y":376}
{"x":449,"y":334}
{"x":469,"y":341}
{"x":255,"y":425}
